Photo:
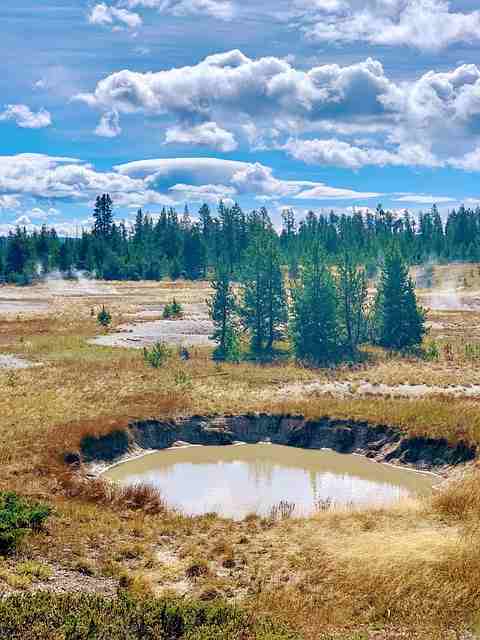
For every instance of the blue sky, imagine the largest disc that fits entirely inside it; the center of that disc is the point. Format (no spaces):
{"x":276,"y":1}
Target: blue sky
{"x":307,"y":104}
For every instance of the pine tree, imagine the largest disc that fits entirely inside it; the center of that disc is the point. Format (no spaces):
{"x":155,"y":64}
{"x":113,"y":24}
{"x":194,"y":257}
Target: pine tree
{"x":314,"y":323}
{"x":277,"y":313}
{"x":399,"y":323}
{"x":18,"y":252}
{"x":263,"y":300}
{"x":222,"y":308}
{"x":103,"y":216}
{"x":138,"y":228}
{"x":352,"y":298}
{"x":65,"y":257}
{"x":195,"y":254}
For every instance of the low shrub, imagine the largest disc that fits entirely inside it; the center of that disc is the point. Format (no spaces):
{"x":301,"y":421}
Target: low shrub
{"x":472,"y":351}
{"x":173,"y":310}
{"x":182,"y":378}
{"x":104,"y":318}
{"x":17,"y":518}
{"x":35,"y":570}
{"x":53,"y":616}
{"x":431,"y":351}
{"x":157,"y":355}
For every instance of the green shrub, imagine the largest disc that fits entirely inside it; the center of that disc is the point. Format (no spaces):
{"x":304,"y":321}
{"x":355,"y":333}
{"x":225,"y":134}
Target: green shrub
{"x":472,"y":351}
{"x":17,"y":518}
{"x":183,"y":379}
{"x":158,"y":355}
{"x":230,"y":351}
{"x":431,"y":351}
{"x":173,"y":310}
{"x":104,"y":318}
{"x":51,"y":616}
{"x":33,"y":569}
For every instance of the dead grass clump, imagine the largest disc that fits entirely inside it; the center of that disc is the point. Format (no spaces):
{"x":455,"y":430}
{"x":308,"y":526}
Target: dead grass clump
{"x":129,"y":551}
{"x":84,"y":566}
{"x":140,"y":496}
{"x":197,"y":569}
{"x":132,"y":497}
{"x":459,"y":499}
{"x":138,"y":584}
{"x":221,"y":548}
{"x":282,"y":511}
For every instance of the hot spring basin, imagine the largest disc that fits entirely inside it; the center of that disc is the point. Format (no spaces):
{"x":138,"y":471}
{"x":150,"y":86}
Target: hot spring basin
{"x":235,"y":481}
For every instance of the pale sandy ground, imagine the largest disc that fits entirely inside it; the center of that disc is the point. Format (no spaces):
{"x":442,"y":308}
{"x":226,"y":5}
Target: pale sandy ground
{"x":14,"y":362}
{"x":363,"y":389}
{"x":20,"y":307}
{"x":194,"y":329}
{"x":187,"y":332}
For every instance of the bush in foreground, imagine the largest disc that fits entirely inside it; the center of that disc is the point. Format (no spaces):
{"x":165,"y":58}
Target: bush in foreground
{"x":89,"y":617}
{"x":17,"y":518}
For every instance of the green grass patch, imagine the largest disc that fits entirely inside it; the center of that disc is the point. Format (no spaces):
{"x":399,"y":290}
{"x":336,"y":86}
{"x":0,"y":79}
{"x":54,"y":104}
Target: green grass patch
{"x":89,"y":617}
{"x":17,"y":518}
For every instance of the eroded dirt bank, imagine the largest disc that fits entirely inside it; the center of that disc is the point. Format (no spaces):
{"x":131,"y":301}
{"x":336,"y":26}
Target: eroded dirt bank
{"x":379,"y":442}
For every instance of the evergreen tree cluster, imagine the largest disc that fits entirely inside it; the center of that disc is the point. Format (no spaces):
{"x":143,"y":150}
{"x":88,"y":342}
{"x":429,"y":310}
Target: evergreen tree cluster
{"x":325,"y":312}
{"x":174,"y":246}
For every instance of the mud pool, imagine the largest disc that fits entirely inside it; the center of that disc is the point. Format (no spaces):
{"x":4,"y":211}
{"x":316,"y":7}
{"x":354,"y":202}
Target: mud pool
{"x":235,"y":481}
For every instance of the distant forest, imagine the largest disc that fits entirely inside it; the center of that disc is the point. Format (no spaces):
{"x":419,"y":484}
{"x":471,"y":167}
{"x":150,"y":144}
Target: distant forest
{"x":179,"y":246}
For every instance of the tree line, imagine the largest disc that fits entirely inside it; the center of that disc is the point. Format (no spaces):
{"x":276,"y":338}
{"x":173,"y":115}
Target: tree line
{"x":175,"y":246}
{"x":325,"y":312}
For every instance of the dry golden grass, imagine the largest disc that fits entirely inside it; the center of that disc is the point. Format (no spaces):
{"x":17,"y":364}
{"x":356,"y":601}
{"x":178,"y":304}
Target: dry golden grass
{"x":414,"y":567}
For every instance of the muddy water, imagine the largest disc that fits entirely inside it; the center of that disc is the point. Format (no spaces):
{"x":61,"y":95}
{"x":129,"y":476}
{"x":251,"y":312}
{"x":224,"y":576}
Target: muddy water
{"x":237,"y":480}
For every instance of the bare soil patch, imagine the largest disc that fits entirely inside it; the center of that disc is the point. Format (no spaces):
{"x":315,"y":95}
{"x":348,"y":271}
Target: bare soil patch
{"x":14,"y":362}
{"x":194,"y":329}
{"x":363,"y":389}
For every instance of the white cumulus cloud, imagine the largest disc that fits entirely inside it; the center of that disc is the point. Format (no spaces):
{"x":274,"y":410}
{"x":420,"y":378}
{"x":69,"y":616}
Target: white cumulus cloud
{"x":109,"y":125}
{"x":123,"y":14}
{"x":25,"y":118}
{"x":221,"y":9}
{"x":105,"y":15}
{"x":241,"y":178}
{"x":429,"y":25}
{"x":207,"y":134}
{"x":161,"y":182}
{"x":338,"y":153}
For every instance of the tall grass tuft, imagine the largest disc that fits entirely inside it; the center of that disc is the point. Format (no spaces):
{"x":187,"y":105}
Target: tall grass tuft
{"x":99,"y":491}
{"x":459,"y":499}
{"x":282,"y":511}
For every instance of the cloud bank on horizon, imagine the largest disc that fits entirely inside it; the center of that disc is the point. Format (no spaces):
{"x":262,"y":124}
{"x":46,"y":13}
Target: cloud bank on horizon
{"x":303,"y":103}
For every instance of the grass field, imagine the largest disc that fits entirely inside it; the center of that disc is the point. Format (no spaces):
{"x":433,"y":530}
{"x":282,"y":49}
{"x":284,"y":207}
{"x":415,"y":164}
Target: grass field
{"x":409,"y":571}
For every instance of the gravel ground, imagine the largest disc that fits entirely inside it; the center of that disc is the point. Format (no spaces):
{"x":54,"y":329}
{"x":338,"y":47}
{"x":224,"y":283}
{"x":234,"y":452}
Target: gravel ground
{"x":14,"y":362}
{"x":66,"y":581}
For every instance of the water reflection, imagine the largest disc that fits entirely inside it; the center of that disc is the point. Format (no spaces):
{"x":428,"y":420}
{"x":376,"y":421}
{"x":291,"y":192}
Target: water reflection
{"x":238,"y":480}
